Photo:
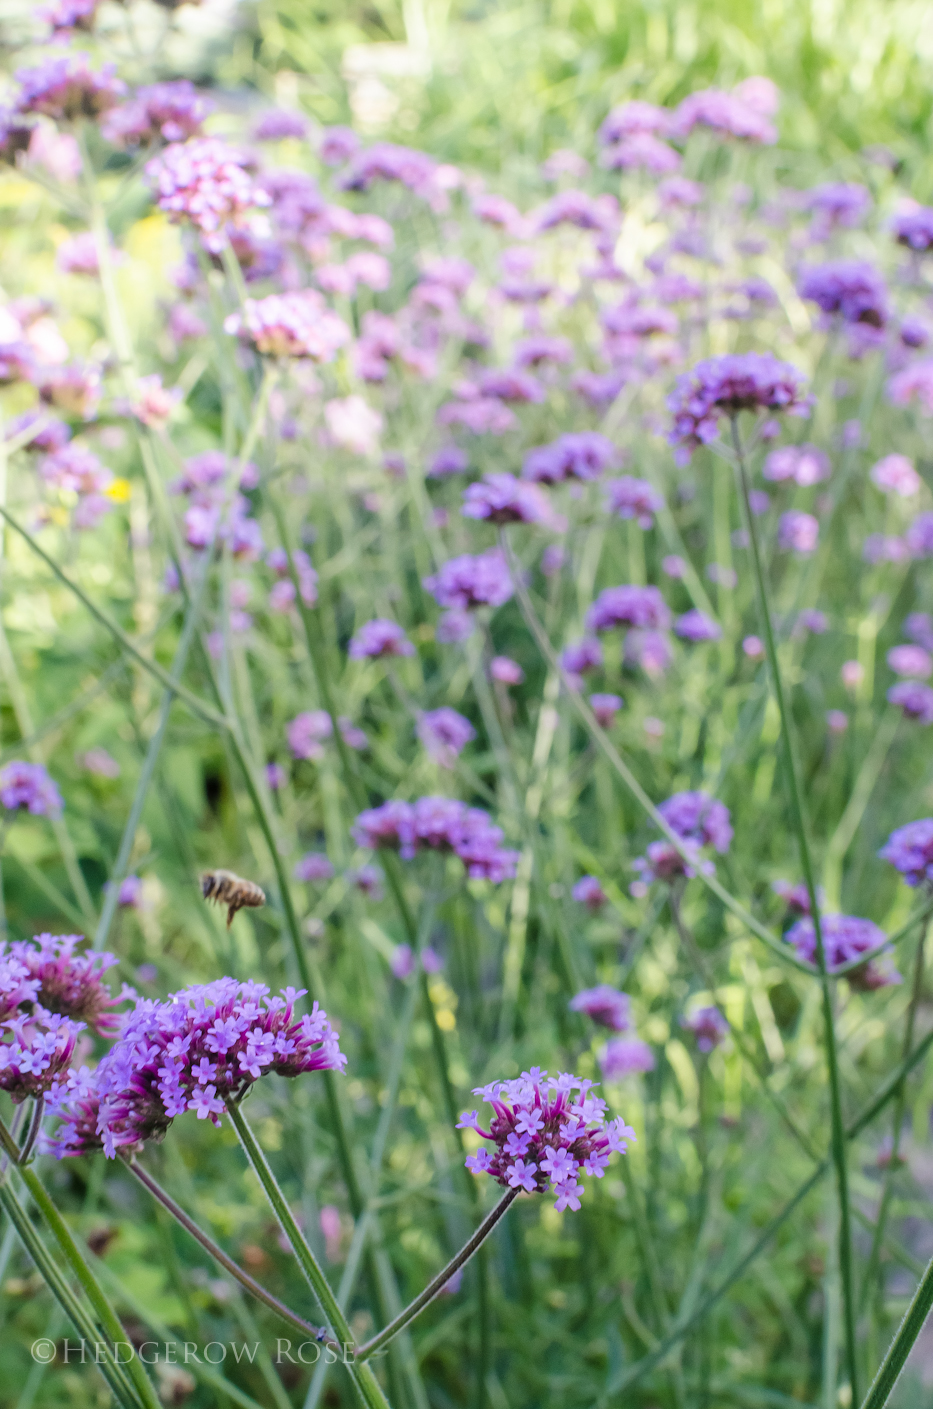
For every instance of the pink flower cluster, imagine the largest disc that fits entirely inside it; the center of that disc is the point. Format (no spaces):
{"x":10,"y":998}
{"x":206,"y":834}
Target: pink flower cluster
{"x":546,"y":1133}
{"x":290,"y":325}
{"x":204,"y":181}
{"x":198,"y":1050}
{"x":439,"y":824}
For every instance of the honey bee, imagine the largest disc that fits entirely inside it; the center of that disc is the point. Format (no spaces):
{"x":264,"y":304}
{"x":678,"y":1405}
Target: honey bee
{"x":224,"y":888}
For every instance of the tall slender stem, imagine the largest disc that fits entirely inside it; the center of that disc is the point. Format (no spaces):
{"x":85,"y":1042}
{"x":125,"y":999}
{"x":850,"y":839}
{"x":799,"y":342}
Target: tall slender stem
{"x":902,"y":1344}
{"x":108,"y":1317}
{"x":217,"y":1253}
{"x":806,"y":865}
{"x":113,"y":1371}
{"x":32,"y":1134}
{"x":440,"y":1281}
{"x":364,"y":1380}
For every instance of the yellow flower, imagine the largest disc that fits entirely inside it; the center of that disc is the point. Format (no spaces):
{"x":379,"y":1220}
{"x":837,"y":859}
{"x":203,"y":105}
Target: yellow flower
{"x":118,"y":490}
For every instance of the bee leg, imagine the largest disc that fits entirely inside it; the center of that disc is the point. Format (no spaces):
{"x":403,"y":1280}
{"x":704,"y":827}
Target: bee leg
{"x":231,"y":912}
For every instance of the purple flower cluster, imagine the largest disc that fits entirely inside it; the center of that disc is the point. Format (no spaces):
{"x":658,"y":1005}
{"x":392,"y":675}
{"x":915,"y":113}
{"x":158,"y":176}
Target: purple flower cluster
{"x":65,"y":87}
{"x":624,"y":1056}
{"x":198,"y":1050}
{"x":708,"y":1026}
{"x":804,"y":464}
{"x":798,"y":532}
{"x":306,"y":732}
{"x":744,"y":113}
{"x":28,"y":786}
{"x":634,"y":499}
{"x":204,"y":181}
{"x":723,"y":386}
{"x":501,"y":498}
{"x":696,"y":626}
{"x":914,"y":228}
{"x":851,"y":288}
{"x":913,"y":697}
{"x":70,"y":984}
{"x":172,"y":111}
{"x":607,"y":1006}
{"x":629,"y":606}
{"x":910,"y":850}
{"x":439,"y":824}
{"x":290,"y":325}
{"x":845,"y":937}
{"x":915,"y":381}
{"x":444,"y":734}
{"x":35,"y":1049}
{"x":699,"y":820}
{"x":379,"y":638}
{"x":472,"y":581}
{"x":545,"y":1135}
{"x":582,"y":455}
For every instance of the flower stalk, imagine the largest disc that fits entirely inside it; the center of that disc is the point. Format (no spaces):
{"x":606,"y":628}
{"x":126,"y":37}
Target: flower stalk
{"x":227,"y":1263}
{"x":838,"y":1143}
{"x":438,"y":1284}
{"x":365,"y":1382}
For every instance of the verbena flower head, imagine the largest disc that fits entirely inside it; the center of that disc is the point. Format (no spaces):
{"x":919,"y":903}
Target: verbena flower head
{"x":545,"y":1133}
{"x":708,"y":1026}
{"x":290,"y":325}
{"x":314,"y":866}
{"x":501,"y":498}
{"x":444,"y":734}
{"x":65,"y":87}
{"x":730,"y":114}
{"x":723,"y":386}
{"x":468,"y":582}
{"x":590,"y":893}
{"x":71,"y":984}
{"x":634,"y":499}
{"x":607,"y":1006}
{"x":914,"y":228}
{"x":912,"y":661}
{"x":895,"y":474}
{"x":582,"y":656}
{"x":35,"y":1049}
{"x":306,"y":732}
{"x":837,"y":204}
{"x":506,"y":670}
{"x":605,"y":707}
{"x":439,"y":824}
{"x":853,"y":289}
{"x":201,"y":1048}
{"x":805,"y":464}
{"x":18,"y":986}
{"x":699,"y":821}
{"x":275,"y":124}
{"x":28,"y":786}
{"x":625,"y":1056}
{"x":795,"y":897}
{"x":629,"y":606}
{"x":204,"y":181}
{"x":910,"y":850}
{"x":845,"y":937}
{"x":582,"y":455}
{"x":632,"y":118}
{"x":379,"y":638}
{"x":915,"y":382}
{"x":798,"y":532}
{"x":697,"y":626}
{"x":173,"y":111}
{"x":913,"y":697}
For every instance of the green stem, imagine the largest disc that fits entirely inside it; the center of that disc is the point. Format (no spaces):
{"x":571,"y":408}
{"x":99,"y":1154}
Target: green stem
{"x":902,"y":1344}
{"x":438,"y":1283}
{"x":95,"y":1295}
{"x":682,"y":1327}
{"x":900,"y":1105}
{"x":120,"y":866}
{"x":217,"y":1253}
{"x":602,"y":741}
{"x":113,"y":1372}
{"x":363,"y":1378}
{"x":198,"y":706}
{"x":806,"y":864}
